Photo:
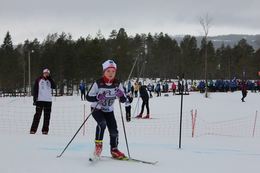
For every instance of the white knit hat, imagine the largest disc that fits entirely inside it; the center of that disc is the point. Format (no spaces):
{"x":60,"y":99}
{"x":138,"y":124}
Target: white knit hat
{"x":46,"y":71}
{"x":109,"y":64}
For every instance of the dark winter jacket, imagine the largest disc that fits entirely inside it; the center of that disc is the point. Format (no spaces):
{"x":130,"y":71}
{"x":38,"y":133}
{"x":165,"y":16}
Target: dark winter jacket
{"x":82,"y":87}
{"x":244,"y":87}
{"x":143,"y":92}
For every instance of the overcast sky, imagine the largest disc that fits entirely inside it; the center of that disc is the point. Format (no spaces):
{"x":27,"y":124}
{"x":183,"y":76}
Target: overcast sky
{"x":29,"y":19}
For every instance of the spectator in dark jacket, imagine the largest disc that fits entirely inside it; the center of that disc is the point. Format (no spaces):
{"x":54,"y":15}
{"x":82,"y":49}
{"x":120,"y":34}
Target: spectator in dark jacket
{"x":201,"y":86}
{"x":158,"y":89}
{"x":82,"y":89}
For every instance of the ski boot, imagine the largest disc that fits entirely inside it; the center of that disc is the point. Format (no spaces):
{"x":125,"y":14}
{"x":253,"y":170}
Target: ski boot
{"x":147,"y":116}
{"x":98,"y":148}
{"x":45,"y":133}
{"x":116,"y":154}
{"x":139,"y":116}
{"x":32,"y":132}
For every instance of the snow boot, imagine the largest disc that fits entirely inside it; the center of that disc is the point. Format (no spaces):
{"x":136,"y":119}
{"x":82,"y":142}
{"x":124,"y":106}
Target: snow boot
{"x":116,"y":154}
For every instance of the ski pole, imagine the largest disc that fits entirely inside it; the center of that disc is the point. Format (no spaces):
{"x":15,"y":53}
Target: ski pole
{"x":77,"y":132}
{"x":137,"y":106}
{"x":123,"y":123}
{"x":130,"y":74}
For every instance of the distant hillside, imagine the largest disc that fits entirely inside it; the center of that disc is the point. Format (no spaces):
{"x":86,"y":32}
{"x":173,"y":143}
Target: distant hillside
{"x":231,"y":40}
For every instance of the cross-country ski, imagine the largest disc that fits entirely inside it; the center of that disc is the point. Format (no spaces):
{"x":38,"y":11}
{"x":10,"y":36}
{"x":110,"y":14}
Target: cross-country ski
{"x":95,"y":159}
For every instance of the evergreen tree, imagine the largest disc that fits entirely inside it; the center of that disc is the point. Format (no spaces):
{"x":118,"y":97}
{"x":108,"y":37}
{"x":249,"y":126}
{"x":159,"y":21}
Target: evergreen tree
{"x":158,"y":55}
{"x":243,"y":57}
{"x":10,"y":69}
{"x":7,"y":44}
{"x":189,"y":60}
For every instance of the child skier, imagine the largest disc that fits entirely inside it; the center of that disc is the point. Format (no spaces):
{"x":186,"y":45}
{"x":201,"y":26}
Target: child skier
{"x":145,"y":97}
{"x":102,"y":94}
{"x":129,"y":100}
{"x":243,"y":90}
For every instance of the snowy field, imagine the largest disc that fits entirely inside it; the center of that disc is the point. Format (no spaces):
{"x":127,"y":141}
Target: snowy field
{"x":226,"y":136}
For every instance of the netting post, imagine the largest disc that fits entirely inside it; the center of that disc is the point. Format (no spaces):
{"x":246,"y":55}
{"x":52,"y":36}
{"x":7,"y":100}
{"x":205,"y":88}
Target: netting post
{"x":254,"y":124}
{"x":84,"y":117}
{"x":191,"y":123}
{"x":193,"y":119}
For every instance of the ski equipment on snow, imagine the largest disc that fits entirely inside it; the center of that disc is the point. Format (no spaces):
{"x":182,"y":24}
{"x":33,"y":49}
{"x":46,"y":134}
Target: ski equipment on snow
{"x":124,"y":159}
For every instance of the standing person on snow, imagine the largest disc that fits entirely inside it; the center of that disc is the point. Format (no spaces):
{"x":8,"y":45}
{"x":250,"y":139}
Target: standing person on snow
{"x":244,"y":91}
{"x":173,"y":88}
{"x":43,"y":101}
{"x":82,"y":89}
{"x":145,"y":97}
{"x":102,"y":94}
{"x":129,"y":100}
{"x":158,"y":89}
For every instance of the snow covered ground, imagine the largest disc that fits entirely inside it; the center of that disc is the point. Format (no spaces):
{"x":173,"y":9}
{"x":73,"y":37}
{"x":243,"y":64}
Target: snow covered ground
{"x":223,"y":139}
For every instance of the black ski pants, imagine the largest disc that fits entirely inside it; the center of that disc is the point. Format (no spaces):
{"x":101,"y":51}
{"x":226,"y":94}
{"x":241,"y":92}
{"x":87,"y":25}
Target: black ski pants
{"x":46,"y":107}
{"x":244,"y":94}
{"x":106,"y":119}
{"x":145,"y":103}
{"x":83,"y":95}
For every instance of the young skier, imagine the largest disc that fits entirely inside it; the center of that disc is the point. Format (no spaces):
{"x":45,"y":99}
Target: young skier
{"x":129,"y":100}
{"x":145,"y":97}
{"x":243,"y":90}
{"x":102,"y":94}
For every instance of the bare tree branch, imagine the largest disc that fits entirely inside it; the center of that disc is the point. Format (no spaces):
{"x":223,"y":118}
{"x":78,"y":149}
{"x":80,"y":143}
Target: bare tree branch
{"x":205,"y":22}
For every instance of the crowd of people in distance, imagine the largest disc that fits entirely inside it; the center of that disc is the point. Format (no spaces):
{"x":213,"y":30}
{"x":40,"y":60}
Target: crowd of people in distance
{"x":157,"y":88}
{"x":227,"y":85}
